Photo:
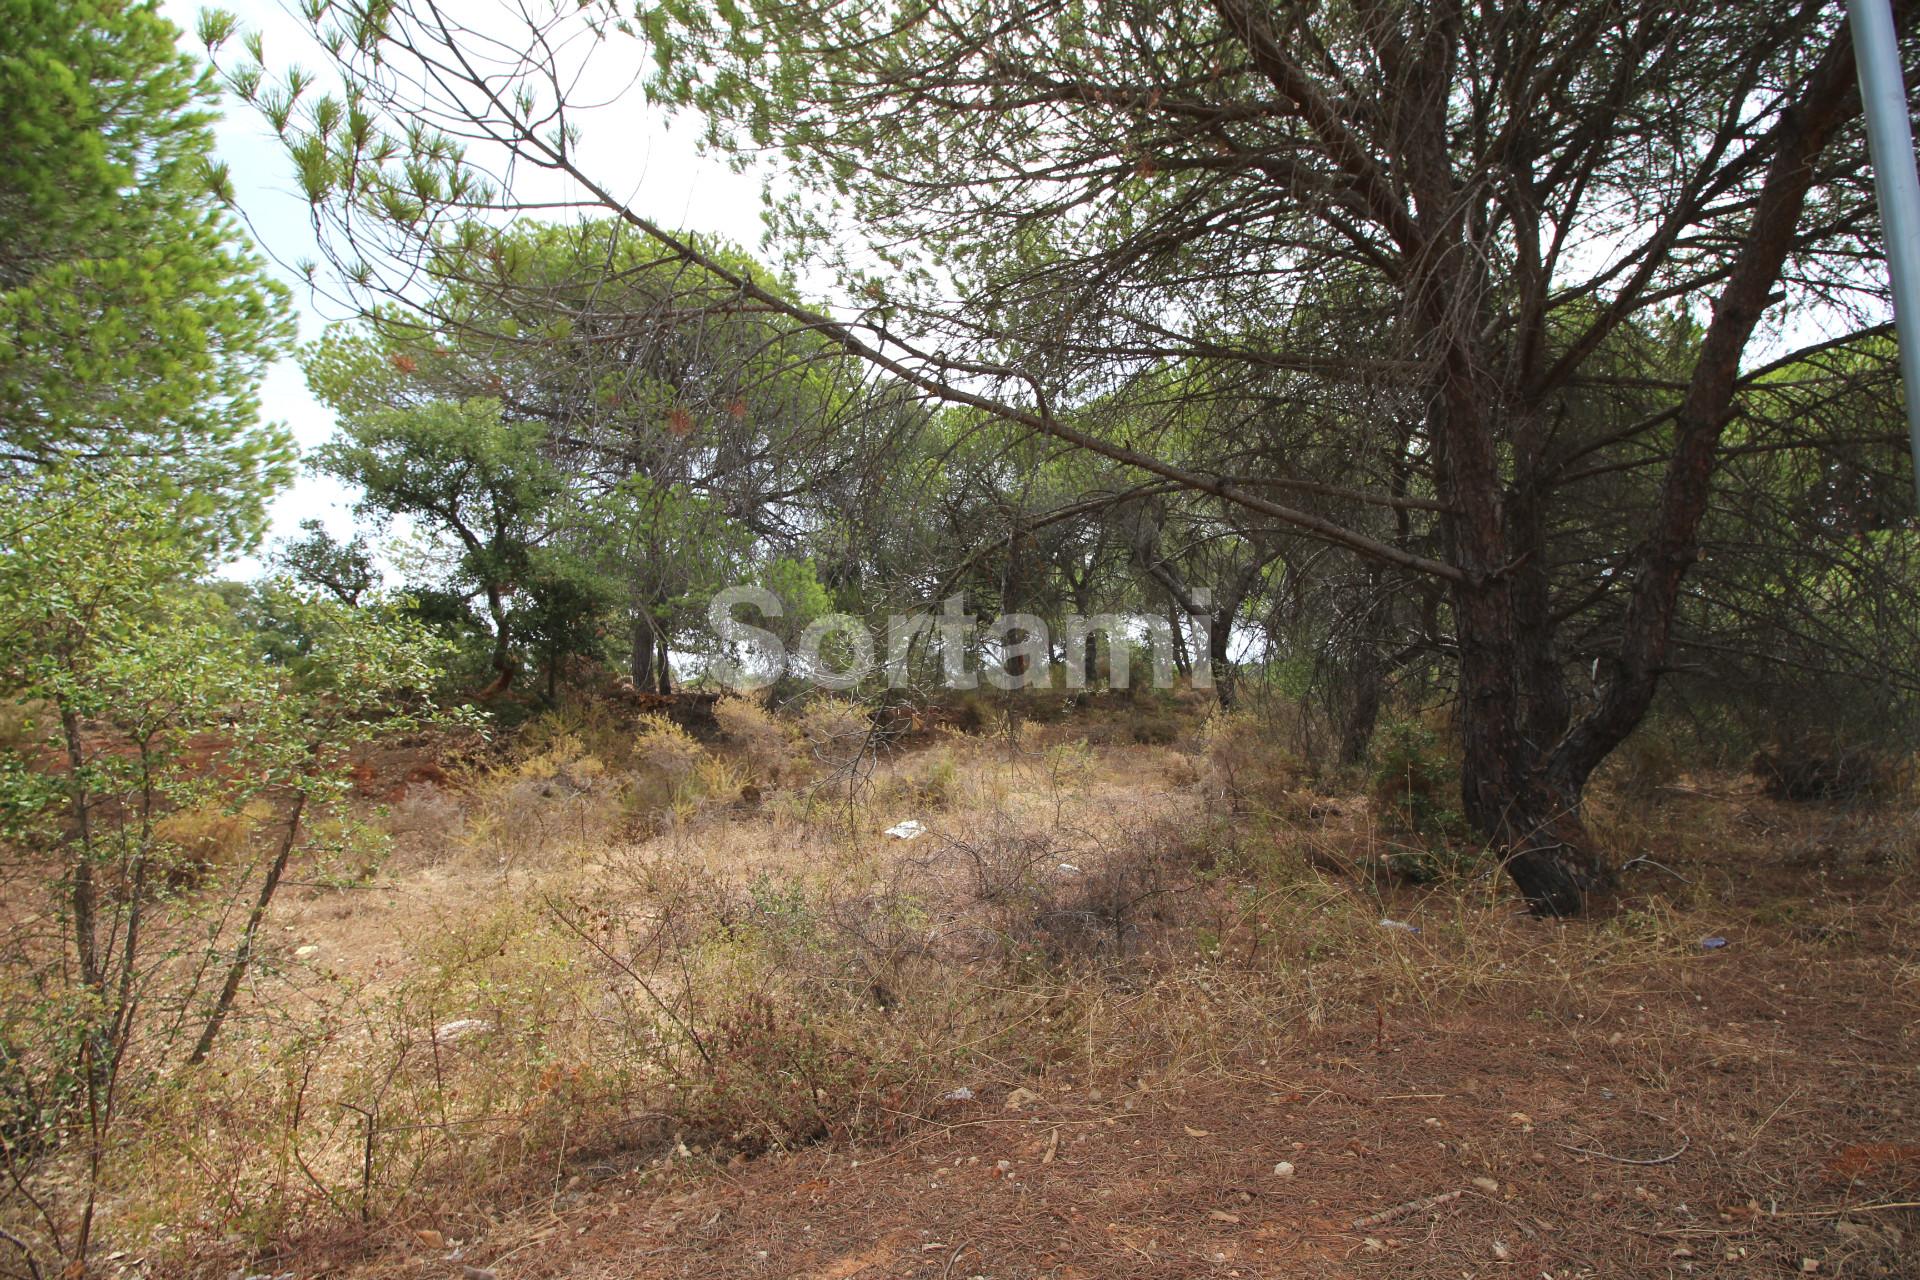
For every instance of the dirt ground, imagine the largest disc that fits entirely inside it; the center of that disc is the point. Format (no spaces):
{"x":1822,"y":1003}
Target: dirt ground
{"x":1744,"y":1104}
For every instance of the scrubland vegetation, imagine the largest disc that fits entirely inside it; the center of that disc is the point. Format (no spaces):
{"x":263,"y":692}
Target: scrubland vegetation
{"x":604,"y":948}
{"x":1475,"y":432}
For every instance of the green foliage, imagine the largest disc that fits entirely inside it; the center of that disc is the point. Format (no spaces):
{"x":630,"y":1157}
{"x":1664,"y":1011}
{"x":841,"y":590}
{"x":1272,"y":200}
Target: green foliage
{"x":1416,"y":779}
{"x":153,"y":733}
{"x":135,"y":322}
{"x":315,"y":559}
{"x":603,"y":437}
{"x":482,"y":483}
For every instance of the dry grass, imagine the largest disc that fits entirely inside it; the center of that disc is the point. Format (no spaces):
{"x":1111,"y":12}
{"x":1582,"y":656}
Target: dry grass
{"x":1247,"y":770}
{"x":766,"y":743}
{"x":652,"y":996}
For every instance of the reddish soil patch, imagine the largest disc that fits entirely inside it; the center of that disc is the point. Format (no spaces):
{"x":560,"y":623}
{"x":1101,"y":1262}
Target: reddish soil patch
{"x":1735,"y":1115}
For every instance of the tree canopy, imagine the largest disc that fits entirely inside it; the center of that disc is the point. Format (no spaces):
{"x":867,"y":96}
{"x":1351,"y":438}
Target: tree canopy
{"x":1487,"y":299}
{"x":136,"y":320}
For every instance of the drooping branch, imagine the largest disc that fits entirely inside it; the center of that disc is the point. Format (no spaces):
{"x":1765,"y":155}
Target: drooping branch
{"x":1828,"y":99}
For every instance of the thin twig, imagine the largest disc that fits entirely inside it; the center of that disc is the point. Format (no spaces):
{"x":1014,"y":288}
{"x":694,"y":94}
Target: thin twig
{"x":1400,"y":1211}
{"x":1685,"y":1142}
{"x":954,"y":1257}
{"x":1631,"y":863}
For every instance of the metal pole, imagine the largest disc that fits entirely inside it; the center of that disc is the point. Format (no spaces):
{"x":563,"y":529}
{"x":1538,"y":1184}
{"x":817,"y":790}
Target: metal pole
{"x":1883,"y":93}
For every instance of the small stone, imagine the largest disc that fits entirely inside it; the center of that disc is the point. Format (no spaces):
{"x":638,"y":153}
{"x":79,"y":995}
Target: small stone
{"x":1221,"y":1215}
{"x":1020,"y":1098}
{"x":1488,"y":1185}
{"x":1284,"y":1169}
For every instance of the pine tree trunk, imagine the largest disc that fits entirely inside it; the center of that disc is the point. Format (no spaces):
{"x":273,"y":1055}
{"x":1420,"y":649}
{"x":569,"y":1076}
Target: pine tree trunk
{"x":642,"y":660}
{"x":1363,"y":708}
{"x":504,"y":668}
{"x":1219,"y":636}
{"x":1181,"y":661}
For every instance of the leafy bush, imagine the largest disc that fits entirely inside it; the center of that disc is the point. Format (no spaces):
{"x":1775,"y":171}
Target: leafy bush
{"x":174,"y":782}
{"x":1416,"y":780}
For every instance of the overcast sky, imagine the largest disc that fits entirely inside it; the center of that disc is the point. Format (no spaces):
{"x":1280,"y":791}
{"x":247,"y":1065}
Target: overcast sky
{"x":628,"y":145}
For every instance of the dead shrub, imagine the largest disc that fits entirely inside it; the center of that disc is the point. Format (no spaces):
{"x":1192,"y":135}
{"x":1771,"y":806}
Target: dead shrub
{"x":558,"y":799}
{"x":1648,"y":760}
{"x":839,"y":734}
{"x":201,"y":840}
{"x":1100,"y":908}
{"x":1824,"y":769}
{"x":427,"y":820}
{"x":1015,"y":893}
{"x":973,"y":711}
{"x":674,"y":778}
{"x":927,"y":781}
{"x":582,"y":727}
{"x":1246,"y":768}
{"x":1157,"y":727}
{"x":768,"y":745}
{"x":665,"y":748}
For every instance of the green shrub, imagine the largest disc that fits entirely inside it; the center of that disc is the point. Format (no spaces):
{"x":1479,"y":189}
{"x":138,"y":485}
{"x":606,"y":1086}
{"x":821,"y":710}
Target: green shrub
{"x":1416,"y":786}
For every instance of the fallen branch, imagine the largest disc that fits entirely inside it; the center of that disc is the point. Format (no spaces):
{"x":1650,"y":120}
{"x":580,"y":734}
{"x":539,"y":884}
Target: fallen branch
{"x":1685,"y":1142}
{"x":1400,"y":1211}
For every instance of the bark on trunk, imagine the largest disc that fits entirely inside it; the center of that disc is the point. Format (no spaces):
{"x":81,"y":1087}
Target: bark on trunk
{"x":85,"y":931}
{"x":243,"y":953}
{"x":1219,"y":634}
{"x":1363,"y":708}
{"x":1182,"y":662}
{"x":642,"y":659}
{"x":504,"y":667}
{"x":1535,"y":831}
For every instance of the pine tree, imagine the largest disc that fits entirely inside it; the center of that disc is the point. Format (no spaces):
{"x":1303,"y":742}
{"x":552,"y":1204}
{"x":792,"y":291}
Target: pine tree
{"x":136,"y":321}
